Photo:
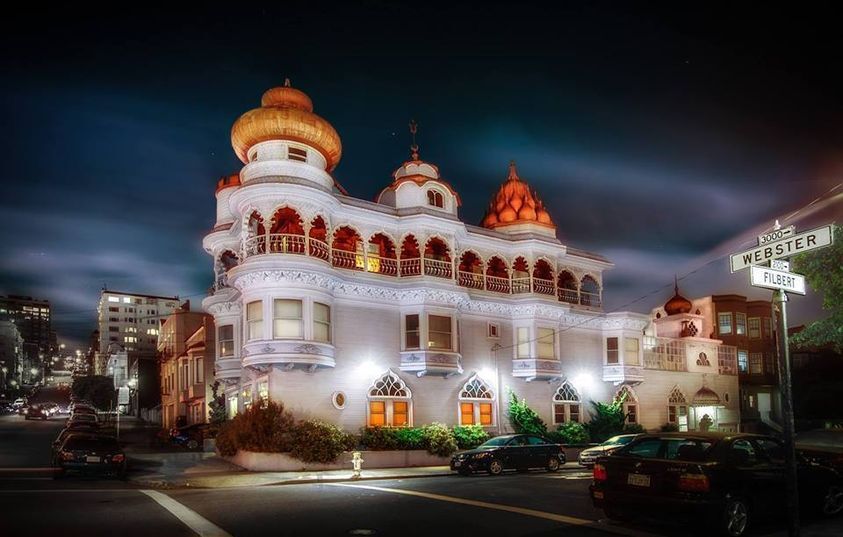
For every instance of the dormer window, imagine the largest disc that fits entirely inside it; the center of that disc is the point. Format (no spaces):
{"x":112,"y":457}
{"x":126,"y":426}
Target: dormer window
{"x":294,"y":153}
{"x":435,"y":199}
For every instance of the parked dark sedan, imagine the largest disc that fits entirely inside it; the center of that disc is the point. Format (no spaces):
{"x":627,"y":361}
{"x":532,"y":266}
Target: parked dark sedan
{"x":514,"y":451}
{"x":90,"y":454}
{"x":33,"y":412}
{"x":823,"y":446}
{"x":726,"y":479}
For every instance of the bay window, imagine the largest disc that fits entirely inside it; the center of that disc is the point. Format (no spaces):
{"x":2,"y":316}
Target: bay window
{"x":439,"y":332}
{"x":630,"y":351}
{"x":611,"y":350}
{"x":321,"y":322}
{"x":287,"y":319}
{"x":226,"y":340}
{"x":545,"y":346}
{"x":522,"y":348}
{"x":412,"y":339}
{"x":254,"y":320}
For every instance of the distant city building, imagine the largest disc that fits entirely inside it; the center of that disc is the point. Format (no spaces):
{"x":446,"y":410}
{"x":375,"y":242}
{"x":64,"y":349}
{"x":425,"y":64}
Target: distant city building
{"x":395,"y":312}
{"x":12,"y":359}
{"x":34,"y":322}
{"x":131,"y":322}
{"x":186,"y":353}
{"x":747,"y":326}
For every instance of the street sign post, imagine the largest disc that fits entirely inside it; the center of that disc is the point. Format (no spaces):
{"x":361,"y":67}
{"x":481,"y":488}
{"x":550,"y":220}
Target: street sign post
{"x":782,"y":248}
{"x":777,"y":279}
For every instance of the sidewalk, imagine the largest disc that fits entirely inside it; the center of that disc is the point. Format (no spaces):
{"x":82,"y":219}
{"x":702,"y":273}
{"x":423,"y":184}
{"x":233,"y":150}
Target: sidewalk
{"x":212,"y":473}
{"x":832,"y":527}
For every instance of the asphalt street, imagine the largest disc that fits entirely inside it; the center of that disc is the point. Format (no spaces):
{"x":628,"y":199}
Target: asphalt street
{"x":534,"y":504}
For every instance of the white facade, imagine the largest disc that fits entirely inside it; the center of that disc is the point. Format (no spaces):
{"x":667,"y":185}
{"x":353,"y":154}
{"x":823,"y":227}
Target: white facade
{"x":396,"y":312}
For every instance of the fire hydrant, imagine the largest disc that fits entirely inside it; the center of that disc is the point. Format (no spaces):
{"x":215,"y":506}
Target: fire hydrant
{"x":357,"y":464}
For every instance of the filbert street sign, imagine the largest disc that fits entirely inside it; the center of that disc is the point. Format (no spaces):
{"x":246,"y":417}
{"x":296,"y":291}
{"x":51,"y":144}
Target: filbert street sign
{"x":785,"y":247}
{"x":777,"y":279}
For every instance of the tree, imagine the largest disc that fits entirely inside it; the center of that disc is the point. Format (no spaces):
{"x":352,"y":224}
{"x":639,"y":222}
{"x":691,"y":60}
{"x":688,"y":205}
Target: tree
{"x":97,"y":389}
{"x":822,"y":269}
{"x":217,"y":405}
{"x":523,"y":418}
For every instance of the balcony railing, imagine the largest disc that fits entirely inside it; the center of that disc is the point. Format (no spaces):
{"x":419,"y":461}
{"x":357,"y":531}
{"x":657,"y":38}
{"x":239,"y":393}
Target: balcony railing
{"x":665,"y":354}
{"x":536,"y":368}
{"x":286,"y":243}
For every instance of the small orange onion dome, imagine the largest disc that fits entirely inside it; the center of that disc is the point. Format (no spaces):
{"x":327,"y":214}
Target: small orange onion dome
{"x":678,"y":303}
{"x":516,"y":203}
{"x":228,"y":181}
{"x":286,"y":114}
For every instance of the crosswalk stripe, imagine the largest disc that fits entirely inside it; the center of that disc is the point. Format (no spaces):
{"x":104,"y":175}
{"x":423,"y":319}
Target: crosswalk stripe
{"x":190,"y":518}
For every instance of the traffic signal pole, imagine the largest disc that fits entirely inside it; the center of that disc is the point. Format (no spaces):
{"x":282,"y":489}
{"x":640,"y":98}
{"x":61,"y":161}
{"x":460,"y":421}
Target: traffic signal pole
{"x":780,"y":314}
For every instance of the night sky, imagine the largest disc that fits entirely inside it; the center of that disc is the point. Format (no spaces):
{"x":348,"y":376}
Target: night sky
{"x":660,"y":139}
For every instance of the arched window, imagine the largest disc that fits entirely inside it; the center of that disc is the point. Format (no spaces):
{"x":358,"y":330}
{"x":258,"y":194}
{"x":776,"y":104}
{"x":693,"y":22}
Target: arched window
{"x":389,"y":402}
{"x":228,"y":260}
{"x":319,"y":238}
{"x":286,"y":236}
{"x":437,"y":258}
{"x":589,"y":292}
{"x":520,"y":276}
{"x":347,"y":249}
{"x":497,"y":275}
{"x":630,"y":403}
{"x":542,"y":277}
{"x":477,"y":403}
{"x":677,"y":409}
{"x":255,"y":242}
{"x":471,"y":270}
{"x":381,"y":255}
{"x":410,"y":257}
{"x":435,"y":198}
{"x":566,"y":404}
{"x":567,"y":288}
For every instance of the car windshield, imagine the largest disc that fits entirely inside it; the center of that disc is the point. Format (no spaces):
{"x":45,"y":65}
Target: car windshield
{"x":90,"y":443}
{"x":618,"y":441}
{"x":497,"y":441}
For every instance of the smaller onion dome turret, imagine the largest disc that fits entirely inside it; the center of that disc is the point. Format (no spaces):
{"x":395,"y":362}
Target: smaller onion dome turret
{"x":516,"y":205}
{"x":286,"y":114}
{"x":678,"y":303}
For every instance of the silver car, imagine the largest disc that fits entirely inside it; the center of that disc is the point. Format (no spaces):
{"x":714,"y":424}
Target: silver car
{"x":588,"y":456}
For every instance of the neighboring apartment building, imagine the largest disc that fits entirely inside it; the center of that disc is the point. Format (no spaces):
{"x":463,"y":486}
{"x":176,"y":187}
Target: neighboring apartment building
{"x":397,"y":313}
{"x":11,"y":356}
{"x":33,"y":319}
{"x":747,"y":325}
{"x":186,"y":355}
{"x":131,"y":322}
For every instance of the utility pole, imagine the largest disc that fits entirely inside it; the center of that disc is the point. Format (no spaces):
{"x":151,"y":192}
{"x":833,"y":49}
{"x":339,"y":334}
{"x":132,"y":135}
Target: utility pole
{"x":495,"y":348}
{"x":780,"y":314}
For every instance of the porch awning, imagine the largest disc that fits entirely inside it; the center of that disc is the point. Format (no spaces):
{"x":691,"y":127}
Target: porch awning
{"x":706,"y":397}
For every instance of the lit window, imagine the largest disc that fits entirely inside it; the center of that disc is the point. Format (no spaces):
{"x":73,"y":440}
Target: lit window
{"x":755,"y":327}
{"x":254,"y":319}
{"x":130,"y":339}
{"x":544,"y":344}
{"x":435,"y":198}
{"x":232,"y":406}
{"x":630,"y":350}
{"x":439,"y":332}
{"x":199,"y":370}
{"x":263,"y":392}
{"x":475,"y":402}
{"x":724,"y":323}
{"x":389,"y":402}
{"x":611,"y":350}
{"x":127,"y":300}
{"x":294,"y":153}
{"x":321,"y":322}
{"x":677,"y":409}
{"x":226,"y":340}
{"x":287,"y":319}
{"x":246,"y":395}
{"x":522,"y":347}
{"x":411,"y":335}
{"x":740,"y":323}
{"x":630,"y":404}
{"x":743,"y":365}
{"x":566,"y":405}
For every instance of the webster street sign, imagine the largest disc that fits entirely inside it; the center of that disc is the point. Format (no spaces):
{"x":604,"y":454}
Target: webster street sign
{"x":785,"y":247}
{"x":777,"y":279}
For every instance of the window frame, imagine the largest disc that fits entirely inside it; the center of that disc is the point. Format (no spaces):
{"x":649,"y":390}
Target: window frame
{"x":613,"y":349}
{"x":566,"y":405}
{"x":327,"y":323}
{"x":254,"y":325}
{"x":465,"y":401}
{"x":221,"y":341}
{"x":740,"y":323}
{"x":753,"y":327}
{"x":745,"y":368}
{"x":300,"y":319}
{"x":720,"y":317}
{"x":522,"y":346}
{"x":430,"y":332}
{"x":628,"y":352}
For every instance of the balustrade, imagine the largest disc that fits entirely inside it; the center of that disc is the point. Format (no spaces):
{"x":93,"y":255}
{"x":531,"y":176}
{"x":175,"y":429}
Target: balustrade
{"x":590,"y":299}
{"x":410,"y":267}
{"x":284,"y":243}
{"x":382,"y":265}
{"x":437,"y":268}
{"x":497,"y":284}
{"x":347,"y":260}
{"x":570,"y":296}
{"x":320,"y":249}
{"x":470,"y":279}
{"x":543,"y":287}
{"x":520,"y":285}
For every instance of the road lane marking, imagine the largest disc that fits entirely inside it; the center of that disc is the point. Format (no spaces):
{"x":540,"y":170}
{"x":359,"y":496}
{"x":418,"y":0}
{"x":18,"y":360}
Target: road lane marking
{"x":190,"y":518}
{"x":565,"y":519}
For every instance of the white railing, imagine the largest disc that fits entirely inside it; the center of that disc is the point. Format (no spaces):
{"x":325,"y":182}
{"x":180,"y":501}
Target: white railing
{"x":319,"y":249}
{"x":254,"y":246}
{"x":470,"y":279}
{"x":285,"y":243}
{"x":346,"y":260}
{"x":410,"y":267}
{"x":497,"y":284}
{"x":590,"y":299}
{"x":520,"y":285}
{"x":437,"y":268}
{"x":665,"y":354}
{"x":570,"y":296}
{"x":382,"y":265}
{"x":544,"y":287}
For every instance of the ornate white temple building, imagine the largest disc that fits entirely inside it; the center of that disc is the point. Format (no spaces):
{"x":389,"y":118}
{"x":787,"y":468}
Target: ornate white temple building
{"x":396,"y":313}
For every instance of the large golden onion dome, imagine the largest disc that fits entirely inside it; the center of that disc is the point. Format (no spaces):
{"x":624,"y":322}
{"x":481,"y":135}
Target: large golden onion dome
{"x":286,"y":114}
{"x":678,"y":303}
{"x":516,"y":203}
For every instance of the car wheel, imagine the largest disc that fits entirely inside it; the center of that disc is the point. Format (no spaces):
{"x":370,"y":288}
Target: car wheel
{"x":735,"y":518}
{"x":495,"y":467}
{"x":192,"y":444}
{"x":616,"y":515}
{"x":832,"y":502}
{"x":552,"y":464}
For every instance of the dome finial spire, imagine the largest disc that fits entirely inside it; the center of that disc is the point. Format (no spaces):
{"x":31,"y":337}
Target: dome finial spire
{"x":287,"y":82}
{"x":675,"y":284}
{"x":513,"y":172}
{"x":414,"y":148}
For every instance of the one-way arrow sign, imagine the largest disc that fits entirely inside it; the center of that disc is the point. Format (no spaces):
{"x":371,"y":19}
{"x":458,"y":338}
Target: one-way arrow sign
{"x":795,"y":244}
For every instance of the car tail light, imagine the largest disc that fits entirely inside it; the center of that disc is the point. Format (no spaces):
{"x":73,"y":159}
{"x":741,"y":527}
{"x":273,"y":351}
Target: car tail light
{"x":600,"y":473}
{"x":66,"y":456}
{"x":118,"y":458}
{"x":694,"y":482}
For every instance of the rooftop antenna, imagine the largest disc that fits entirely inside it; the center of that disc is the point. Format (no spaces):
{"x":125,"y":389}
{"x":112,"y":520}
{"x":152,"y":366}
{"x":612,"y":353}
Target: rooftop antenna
{"x":414,"y":148}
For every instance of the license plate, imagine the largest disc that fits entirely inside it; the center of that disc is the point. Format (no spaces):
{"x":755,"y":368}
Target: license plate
{"x":90,"y":458}
{"x":598,"y":495}
{"x":638,"y":480}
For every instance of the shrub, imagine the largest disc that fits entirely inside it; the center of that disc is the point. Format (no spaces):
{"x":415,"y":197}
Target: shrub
{"x":263,"y":429}
{"x":410,"y":438}
{"x":633,"y":428}
{"x":524,"y":419}
{"x":669,"y":428}
{"x":469,"y":436}
{"x":379,"y":438}
{"x":606,"y":420}
{"x":572,"y":433}
{"x":438,"y":439}
{"x":316,"y":441}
